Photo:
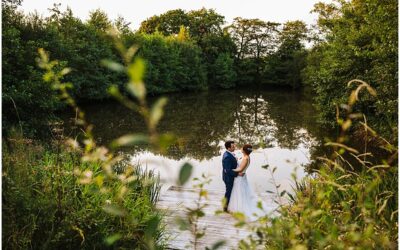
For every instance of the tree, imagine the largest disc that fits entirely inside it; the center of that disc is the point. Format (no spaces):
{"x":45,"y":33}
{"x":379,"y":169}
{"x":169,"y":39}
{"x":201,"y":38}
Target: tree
{"x":183,"y":34}
{"x":241,"y":35}
{"x":205,"y":22}
{"x":255,"y":39}
{"x":99,"y":20}
{"x":292,"y":37}
{"x":199,"y":23}
{"x":358,"y":41}
{"x":27,"y":102}
{"x":284,"y":66}
{"x":204,"y":27}
{"x":223,"y":71}
{"x":122,"y":25}
{"x":167,"y":24}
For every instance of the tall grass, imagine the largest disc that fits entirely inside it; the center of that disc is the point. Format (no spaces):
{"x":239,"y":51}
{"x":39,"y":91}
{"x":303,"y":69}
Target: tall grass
{"x":47,"y":204}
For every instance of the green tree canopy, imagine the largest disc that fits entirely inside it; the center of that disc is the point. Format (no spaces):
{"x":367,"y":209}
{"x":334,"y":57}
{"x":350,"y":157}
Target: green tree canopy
{"x":358,"y":40}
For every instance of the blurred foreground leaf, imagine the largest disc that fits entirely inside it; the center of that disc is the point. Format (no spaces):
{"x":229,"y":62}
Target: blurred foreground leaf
{"x":130,"y":140}
{"x":112,"y":239}
{"x":185,"y":173}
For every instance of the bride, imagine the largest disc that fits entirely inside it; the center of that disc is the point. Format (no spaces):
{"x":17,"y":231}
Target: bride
{"x":242,"y":197}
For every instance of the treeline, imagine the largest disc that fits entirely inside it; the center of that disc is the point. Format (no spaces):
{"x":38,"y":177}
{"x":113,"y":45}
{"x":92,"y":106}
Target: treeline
{"x":248,"y":51}
{"x":196,"y":50}
{"x":183,"y":50}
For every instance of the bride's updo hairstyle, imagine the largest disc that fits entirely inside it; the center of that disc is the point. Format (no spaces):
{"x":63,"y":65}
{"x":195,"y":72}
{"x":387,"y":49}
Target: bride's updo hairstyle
{"x":247,"y":148}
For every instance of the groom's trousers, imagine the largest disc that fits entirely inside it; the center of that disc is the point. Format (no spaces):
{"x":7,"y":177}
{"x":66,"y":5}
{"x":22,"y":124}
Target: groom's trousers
{"x":228,"y":186}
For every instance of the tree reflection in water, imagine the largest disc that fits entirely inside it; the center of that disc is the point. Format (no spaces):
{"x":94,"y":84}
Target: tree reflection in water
{"x":281,"y":123}
{"x":202,"y":121}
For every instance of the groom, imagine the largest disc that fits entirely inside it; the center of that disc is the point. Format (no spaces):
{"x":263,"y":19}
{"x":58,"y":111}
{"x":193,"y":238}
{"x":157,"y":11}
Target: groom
{"x":229,"y":162}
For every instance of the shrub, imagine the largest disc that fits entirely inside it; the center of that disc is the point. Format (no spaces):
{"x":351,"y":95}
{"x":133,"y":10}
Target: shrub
{"x":49,"y":203}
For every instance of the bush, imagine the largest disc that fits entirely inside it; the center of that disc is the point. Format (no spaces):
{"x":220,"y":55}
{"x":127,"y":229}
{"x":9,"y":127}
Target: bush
{"x":360,"y":41}
{"x":171,"y":65}
{"x":48,"y":205}
{"x":344,"y":205}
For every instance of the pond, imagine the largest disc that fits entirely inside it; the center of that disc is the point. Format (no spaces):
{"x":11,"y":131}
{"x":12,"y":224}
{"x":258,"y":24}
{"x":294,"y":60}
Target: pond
{"x":281,"y":124}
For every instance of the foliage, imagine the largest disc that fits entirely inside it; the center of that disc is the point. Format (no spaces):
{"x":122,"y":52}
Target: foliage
{"x":268,"y":53}
{"x":253,"y":37}
{"x":204,"y":27}
{"x":184,"y":51}
{"x":194,"y":212}
{"x":357,"y":40}
{"x":112,"y":203}
{"x":198,"y":22}
{"x":49,"y":201}
{"x":167,"y":24}
{"x":105,"y":175}
{"x":283,"y":67}
{"x":27,"y":103}
{"x":172,"y":65}
{"x":344,"y":205}
{"x":222,"y":71}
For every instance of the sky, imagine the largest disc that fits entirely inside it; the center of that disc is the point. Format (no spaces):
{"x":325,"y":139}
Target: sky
{"x":137,"y":11}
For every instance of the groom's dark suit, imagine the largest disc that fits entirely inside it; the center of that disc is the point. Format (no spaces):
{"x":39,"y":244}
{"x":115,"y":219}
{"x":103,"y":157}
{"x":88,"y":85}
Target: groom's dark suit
{"x":229,"y":163}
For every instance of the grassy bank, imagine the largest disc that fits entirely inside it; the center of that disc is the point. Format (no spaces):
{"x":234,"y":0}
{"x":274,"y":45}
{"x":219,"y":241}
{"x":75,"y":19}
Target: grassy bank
{"x":54,"y":200}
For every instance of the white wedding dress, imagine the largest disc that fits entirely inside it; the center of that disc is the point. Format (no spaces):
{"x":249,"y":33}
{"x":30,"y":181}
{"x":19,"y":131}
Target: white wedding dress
{"x":244,"y":200}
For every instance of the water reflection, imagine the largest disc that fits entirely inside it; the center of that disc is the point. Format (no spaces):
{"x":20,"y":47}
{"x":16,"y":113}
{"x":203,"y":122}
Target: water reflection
{"x":282,"y":123}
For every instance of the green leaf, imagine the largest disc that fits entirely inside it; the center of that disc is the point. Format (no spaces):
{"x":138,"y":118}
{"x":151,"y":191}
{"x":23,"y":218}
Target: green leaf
{"x":243,"y":245}
{"x":113,"y":238}
{"x":152,"y":226}
{"x":291,"y":197}
{"x":114,"y":210}
{"x":129,"y":140}
{"x":283,"y":193}
{"x":266,"y":166}
{"x":182,"y":223}
{"x":239,"y":216}
{"x":136,"y":73}
{"x":136,"y":70}
{"x":259,"y":205}
{"x":157,"y":111}
{"x":48,"y":76}
{"x":114,"y":91}
{"x":138,"y":90}
{"x":65,"y":71}
{"x":200,"y":235}
{"x":185,"y":173}
{"x":200,"y":213}
{"x":68,"y":85}
{"x":131,"y":52}
{"x":112,"y":65}
{"x":203,"y":193}
{"x":218,"y":244}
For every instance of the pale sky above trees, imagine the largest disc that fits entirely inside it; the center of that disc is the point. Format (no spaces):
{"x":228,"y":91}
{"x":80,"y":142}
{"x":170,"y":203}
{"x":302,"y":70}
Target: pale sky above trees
{"x":137,"y":11}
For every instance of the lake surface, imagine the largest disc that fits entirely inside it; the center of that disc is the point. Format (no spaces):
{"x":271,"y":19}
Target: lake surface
{"x":280,"y":124}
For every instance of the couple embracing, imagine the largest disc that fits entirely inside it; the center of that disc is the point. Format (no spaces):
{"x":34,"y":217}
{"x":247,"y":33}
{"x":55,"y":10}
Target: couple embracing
{"x":239,"y":196}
